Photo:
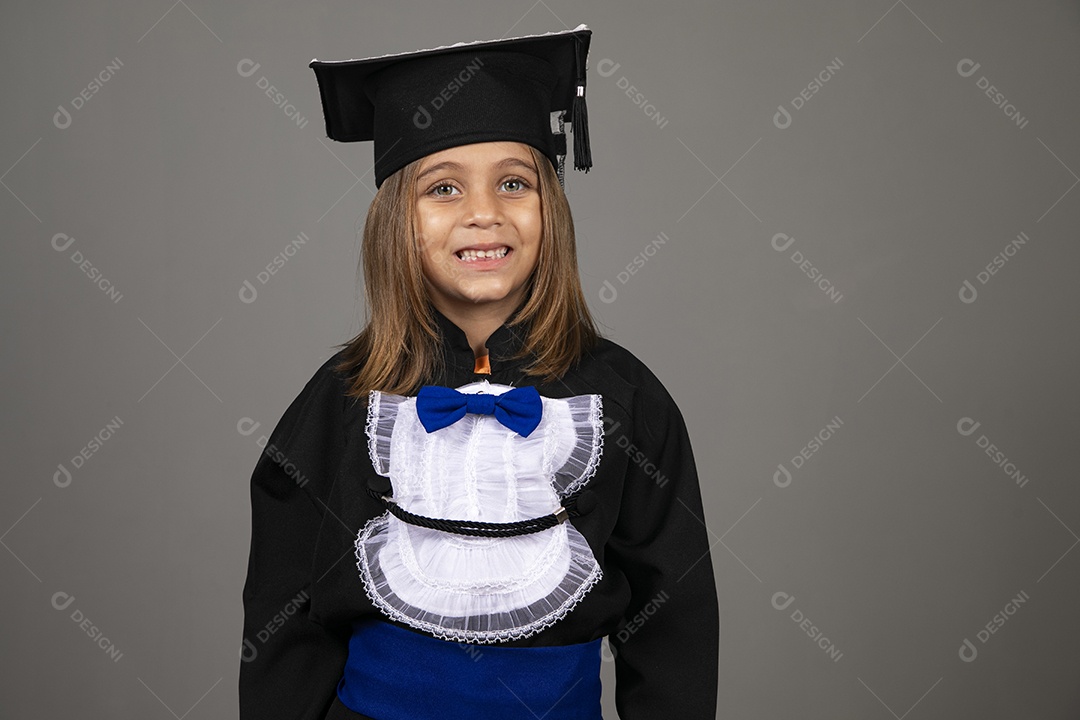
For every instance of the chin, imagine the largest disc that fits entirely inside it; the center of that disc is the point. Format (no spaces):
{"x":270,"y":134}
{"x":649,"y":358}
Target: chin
{"x":478,"y":295}
{"x":484,"y":299}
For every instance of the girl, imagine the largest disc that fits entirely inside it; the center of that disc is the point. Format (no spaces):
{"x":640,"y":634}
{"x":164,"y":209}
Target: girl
{"x":478,"y":488}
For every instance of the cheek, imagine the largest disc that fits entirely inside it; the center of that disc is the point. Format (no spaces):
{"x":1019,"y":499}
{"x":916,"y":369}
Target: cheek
{"x":435,"y":260}
{"x":531,"y":224}
{"x":430,"y":233}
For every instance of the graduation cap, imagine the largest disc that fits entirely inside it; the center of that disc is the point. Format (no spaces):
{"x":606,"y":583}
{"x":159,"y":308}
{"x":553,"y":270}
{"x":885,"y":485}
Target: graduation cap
{"x":417,"y":103}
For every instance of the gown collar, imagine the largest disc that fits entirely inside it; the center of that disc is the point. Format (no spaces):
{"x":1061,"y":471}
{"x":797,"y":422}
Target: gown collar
{"x":503,"y":342}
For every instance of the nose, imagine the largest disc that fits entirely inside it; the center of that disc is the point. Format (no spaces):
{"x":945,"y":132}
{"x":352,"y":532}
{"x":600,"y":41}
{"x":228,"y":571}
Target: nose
{"x":482,"y":208}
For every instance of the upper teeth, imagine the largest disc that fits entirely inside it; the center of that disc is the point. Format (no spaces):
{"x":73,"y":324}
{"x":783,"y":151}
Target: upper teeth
{"x":474,"y":254}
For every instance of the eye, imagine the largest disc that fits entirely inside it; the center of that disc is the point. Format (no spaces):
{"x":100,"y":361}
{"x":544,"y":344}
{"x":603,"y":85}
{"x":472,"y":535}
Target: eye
{"x":515,"y":185}
{"x":442,"y":190}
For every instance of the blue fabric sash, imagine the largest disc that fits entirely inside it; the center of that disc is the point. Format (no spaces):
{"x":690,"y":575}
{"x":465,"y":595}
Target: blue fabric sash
{"x":398,"y":674}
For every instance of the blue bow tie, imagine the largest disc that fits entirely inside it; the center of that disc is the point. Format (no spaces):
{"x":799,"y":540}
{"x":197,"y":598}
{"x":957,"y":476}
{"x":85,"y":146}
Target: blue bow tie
{"x":518,"y":409}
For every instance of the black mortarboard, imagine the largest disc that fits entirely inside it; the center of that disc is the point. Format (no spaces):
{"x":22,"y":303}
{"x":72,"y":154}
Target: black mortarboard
{"x":413,"y":104}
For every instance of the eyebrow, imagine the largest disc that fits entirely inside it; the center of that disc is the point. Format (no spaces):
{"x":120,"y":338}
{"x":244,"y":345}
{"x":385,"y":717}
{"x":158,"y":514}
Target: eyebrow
{"x":451,"y":165}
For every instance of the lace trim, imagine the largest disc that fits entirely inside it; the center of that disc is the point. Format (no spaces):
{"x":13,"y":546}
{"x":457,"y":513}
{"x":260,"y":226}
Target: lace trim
{"x":587,"y":419}
{"x":570,"y":438}
{"x":381,"y":417}
{"x":479,"y":589}
{"x":480,"y":619}
{"x":371,"y":430}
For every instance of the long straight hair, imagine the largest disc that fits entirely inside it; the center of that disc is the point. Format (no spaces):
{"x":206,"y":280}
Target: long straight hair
{"x":400,"y":347}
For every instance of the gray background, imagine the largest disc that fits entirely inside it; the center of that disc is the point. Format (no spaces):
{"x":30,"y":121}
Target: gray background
{"x":898,"y":179}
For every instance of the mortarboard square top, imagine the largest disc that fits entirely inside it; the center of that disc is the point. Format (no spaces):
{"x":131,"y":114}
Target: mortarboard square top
{"x":417,"y":103}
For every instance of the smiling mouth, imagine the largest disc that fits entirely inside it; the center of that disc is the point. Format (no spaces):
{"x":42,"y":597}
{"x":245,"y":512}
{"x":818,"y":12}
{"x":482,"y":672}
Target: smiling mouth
{"x":481,"y":256}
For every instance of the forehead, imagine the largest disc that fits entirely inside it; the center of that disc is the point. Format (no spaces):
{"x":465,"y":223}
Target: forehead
{"x":480,"y":155}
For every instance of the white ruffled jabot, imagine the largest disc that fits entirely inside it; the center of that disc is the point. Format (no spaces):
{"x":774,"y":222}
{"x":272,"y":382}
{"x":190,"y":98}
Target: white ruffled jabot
{"x":479,"y":589}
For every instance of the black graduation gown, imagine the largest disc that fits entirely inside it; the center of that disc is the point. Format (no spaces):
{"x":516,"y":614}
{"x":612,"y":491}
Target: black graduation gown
{"x":656,"y":600}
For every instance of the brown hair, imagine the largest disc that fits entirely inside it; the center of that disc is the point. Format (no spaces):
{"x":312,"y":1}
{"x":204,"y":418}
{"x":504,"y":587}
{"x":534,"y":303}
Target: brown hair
{"x":400,"y":346}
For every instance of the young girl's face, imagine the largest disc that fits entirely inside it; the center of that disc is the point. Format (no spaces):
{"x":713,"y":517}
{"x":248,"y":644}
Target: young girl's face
{"x":478,"y":223}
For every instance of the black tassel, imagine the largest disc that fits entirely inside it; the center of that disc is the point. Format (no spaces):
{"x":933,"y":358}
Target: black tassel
{"x":579,"y":113}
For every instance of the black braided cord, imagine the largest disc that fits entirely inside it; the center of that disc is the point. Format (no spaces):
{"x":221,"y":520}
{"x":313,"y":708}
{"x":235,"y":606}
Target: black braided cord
{"x":477,"y":528}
